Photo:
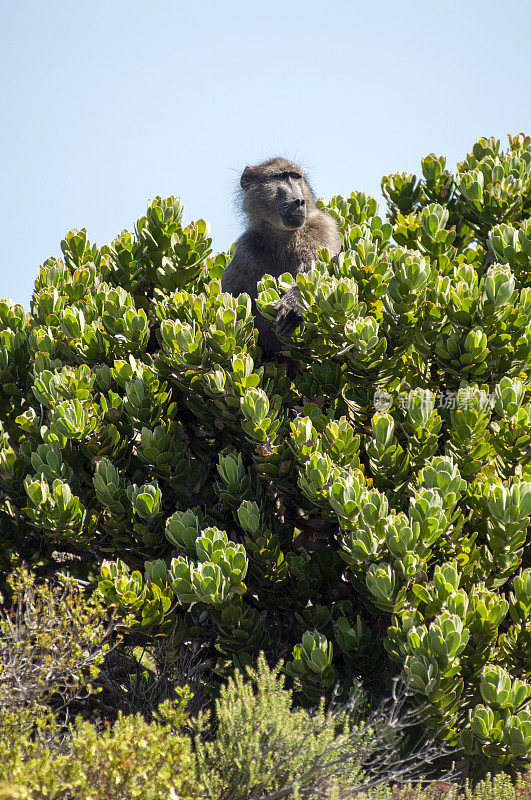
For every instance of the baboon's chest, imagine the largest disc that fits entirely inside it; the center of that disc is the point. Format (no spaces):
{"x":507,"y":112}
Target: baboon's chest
{"x":289,"y":256}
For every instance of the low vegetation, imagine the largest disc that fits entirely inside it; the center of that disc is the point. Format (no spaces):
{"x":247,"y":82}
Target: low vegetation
{"x":261,"y":745}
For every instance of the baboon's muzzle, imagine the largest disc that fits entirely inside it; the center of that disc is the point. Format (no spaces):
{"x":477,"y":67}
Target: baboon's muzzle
{"x":294,"y":214}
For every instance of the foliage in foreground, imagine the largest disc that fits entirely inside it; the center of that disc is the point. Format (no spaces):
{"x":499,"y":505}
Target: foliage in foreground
{"x":52,"y":645}
{"x":263,"y":748}
{"x":133,"y":759}
{"x":360,"y":510}
{"x":499,"y":787}
{"x":260,"y":745}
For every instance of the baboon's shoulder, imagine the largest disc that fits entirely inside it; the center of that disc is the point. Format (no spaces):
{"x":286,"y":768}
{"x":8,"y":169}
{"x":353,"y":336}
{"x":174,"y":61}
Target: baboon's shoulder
{"x":322,"y":231}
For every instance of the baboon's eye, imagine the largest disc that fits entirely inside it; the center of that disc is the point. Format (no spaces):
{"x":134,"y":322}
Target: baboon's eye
{"x":296,"y":175}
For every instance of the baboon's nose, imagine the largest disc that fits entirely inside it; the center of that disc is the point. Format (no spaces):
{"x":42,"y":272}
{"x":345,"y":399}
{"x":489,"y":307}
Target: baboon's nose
{"x":300,"y":202}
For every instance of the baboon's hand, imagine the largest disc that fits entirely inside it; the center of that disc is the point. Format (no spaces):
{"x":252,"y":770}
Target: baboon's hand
{"x":289,"y":314}
{"x":286,"y":321}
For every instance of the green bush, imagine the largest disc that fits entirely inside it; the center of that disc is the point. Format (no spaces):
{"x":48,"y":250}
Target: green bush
{"x":263,"y":747}
{"x":132,"y":759}
{"x":359,"y":509}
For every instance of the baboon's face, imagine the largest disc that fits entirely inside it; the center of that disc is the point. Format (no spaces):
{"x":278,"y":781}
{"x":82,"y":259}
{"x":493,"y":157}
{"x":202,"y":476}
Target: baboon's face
{"x":277,"y":193}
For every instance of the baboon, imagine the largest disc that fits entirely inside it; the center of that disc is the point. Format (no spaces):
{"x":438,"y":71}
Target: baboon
{"x":285,"y":231}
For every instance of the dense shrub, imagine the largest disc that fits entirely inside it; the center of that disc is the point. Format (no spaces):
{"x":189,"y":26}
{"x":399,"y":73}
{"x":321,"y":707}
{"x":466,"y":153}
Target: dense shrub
{"x":360,"y":508}
{"x":132,"y":759}
{"x":263,"y":747}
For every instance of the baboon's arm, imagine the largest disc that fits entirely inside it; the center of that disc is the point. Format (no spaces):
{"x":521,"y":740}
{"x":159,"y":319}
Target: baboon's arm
{"x":235,"y":279}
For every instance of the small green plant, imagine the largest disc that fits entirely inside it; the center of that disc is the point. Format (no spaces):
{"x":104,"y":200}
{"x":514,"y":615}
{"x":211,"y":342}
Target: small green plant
{"x":263,"y":747}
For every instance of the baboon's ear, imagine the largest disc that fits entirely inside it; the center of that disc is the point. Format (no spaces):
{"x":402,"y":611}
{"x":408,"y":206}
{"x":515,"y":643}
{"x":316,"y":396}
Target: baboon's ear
{"x":247,"y":177}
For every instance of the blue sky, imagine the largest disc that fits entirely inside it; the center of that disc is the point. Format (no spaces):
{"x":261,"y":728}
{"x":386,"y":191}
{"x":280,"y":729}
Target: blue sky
{"x":105,"y":105}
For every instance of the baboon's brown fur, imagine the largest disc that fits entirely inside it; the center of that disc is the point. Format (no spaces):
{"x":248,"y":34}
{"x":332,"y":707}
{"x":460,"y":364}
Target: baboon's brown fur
{"x":285,"y":232}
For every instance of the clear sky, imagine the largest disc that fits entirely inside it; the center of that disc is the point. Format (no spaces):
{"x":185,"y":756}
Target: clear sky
{"x":107,"y":104}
